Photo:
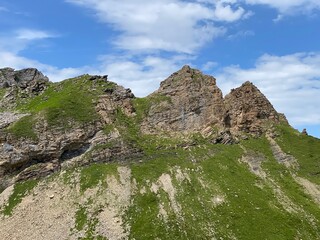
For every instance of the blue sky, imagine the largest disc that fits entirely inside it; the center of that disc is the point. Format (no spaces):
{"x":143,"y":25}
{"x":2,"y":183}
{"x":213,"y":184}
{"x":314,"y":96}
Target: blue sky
{"x":138,"y":43}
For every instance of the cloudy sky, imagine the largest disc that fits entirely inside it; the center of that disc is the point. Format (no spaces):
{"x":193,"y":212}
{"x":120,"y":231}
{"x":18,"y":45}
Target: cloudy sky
{"x":138,"y":43}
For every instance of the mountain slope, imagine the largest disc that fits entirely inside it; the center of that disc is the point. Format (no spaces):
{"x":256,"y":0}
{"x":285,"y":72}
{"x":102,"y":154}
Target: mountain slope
{"x":121,"y":167}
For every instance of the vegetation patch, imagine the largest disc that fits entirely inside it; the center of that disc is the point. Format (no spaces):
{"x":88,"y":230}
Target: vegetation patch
{"x":143,"y":105}
{"x":69,"y":101}
{"x":2,"y":92}
{"x":19,"y":192}
{"x":306,"y":149}
{"x":23,"y":128}
{"x":94,"y":174}
{"x":85,"y":222}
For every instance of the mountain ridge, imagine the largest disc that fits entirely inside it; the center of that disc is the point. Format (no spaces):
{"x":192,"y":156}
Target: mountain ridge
{"x":187,"y":102}
{"x":85,"y":159}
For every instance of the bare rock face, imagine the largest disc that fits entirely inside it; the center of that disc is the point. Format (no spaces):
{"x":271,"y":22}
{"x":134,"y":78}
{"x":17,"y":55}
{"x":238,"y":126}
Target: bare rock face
{"x":29,"y":77}
{"x":23,"y":83}
{"x":248,"y":110}
{"x":187,"y":101}
{"x":114,"y":97}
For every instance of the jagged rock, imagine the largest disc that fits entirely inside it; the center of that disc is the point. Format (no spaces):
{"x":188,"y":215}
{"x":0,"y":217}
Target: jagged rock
{"x":248,"y":110}
{"x":224,"y":137}
{"x":38,"y":170}
{"x":6,"y":118}
{"x":21,"y":84}
{"x":187,"y":101}
{"x":109,"y":103}
{"x":29,"y":77}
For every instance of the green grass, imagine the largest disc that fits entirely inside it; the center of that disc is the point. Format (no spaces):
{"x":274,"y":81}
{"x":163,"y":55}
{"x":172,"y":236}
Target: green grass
{"x":306,"y":149}
{"x":86,"y":223}
{"x":283,"y":177}
{"x":19,"y":192}
{"x":2,"y":92}
{"x":68,"y":101}
{"x":24,"y":128}
{"x":143,"y":105}
{"x":81,"y":218}
{"x":250,"y":212}
{"x":251,"y":209}
{"x":94,"y":174}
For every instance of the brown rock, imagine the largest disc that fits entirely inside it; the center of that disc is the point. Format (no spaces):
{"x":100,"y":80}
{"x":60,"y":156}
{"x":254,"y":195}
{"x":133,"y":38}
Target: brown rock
{"x":248,"y":110}
{"x":187,"y":101}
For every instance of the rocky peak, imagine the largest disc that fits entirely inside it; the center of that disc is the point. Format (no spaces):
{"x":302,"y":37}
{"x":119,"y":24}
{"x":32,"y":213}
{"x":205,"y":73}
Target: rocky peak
{"x":21,"y":84}
{"x":22,"y":78}
{"x":185,"y":79}
{"x":187,"y":101}
{"x":247,"y":109}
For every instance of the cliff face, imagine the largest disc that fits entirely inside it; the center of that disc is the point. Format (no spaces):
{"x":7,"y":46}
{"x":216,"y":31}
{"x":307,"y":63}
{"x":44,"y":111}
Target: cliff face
{"x":20,"y":85}
{"x":45,"y":126}
{"x":248,"y":110}
{"x":190,"y":102}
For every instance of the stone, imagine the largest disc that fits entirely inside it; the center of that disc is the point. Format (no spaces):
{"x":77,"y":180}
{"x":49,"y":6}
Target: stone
{"x":248,"y":110}
{"x":21,"y":84}
{"x":187,"y":101}
{"x":22,"y":78}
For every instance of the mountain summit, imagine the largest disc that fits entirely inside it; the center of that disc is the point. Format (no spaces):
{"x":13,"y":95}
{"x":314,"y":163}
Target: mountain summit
{"x":85,"y":159}
{"x":193,"y":102}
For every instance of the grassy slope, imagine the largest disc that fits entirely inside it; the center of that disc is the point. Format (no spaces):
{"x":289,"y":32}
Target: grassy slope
{"x":63,"y":104}
{"x":250,"y":210}
{"x":306,"y":149}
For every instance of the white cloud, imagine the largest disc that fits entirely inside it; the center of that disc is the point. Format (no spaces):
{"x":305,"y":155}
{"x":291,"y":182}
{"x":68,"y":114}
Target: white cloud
{"x":20,"y":39}
{"x":142,"y":76}
{"x":32,"y":34}
{"x":169,"y":25}
{"x":241,"y":34}
{"x":291,"y":83}
{"x":289,"y":6}
{"x":208,"y":66}
{"x":9,"y":59}
{"x":224,"y":12}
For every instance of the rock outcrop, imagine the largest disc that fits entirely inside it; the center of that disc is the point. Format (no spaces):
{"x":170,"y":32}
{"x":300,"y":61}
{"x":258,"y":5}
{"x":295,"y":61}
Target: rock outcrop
{"x":20,"y":85}
{"x":29,"y":77}
{"x":189,"y":101}
{"x":248,"y":110}
{"x":186,"y":103}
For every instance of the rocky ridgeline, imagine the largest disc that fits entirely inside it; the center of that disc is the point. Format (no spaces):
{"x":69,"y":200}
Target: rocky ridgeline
{"x":187,"y":102}
{"x":192,"y":102}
